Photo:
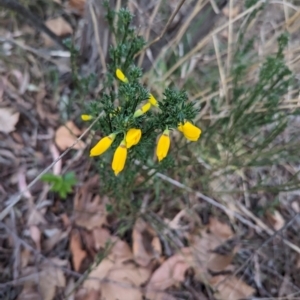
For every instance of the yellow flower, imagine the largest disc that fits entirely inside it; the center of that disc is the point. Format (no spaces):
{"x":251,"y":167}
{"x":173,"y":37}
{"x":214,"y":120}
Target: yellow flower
{"x":152,"y":100}
{"x":102,"y":145}
{"x":86,"y":117}
{"x":163,"y":145}
{"x":120,"y":75}
{"x":119,"y":159}
{"x":133,"y":136}
{"x":146,"y":107}
{"x":190,"y":131}
{"x":142,"y":110}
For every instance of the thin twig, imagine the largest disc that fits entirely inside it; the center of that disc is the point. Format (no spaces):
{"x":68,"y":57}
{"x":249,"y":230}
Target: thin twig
{"x":100,"y":50}
{"x":230,"y":34}
{"x":215,"y":6}
{"x":221,"y":69}
{"x":153,"y":15}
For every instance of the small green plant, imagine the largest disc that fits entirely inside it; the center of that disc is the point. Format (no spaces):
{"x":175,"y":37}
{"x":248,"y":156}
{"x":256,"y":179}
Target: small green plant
{"x":131,"y":118}
{"x":61,"y":184}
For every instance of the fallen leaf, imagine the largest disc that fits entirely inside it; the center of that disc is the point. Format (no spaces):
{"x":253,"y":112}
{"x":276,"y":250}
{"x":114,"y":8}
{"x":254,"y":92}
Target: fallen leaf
{"x":117,"y":276}
{"x":218,"y":262}
{"x":66,"y":136}
{"x":98,"y":273}
{"x":35,"y":234}
{"x":101,"y":237}
{"x":77,"y":5}
{"x":59,"y":26}
{"x":124,"y":282}
{"x":170,"y":273}
{"x":120,"y":251}
{"x":205,"y":243}
{"x":230,"y":287}
{"x":146,"y":244}
{"x":54,"y":239}
{"x":8,"y":119}
{"x":28,"y":293}
{"x":90,"y":210}
{"x":78,"y":255}
{"x":84,"y":294}
{"x":65,"y":220}
{"x":220,"y":230}
{"x":276,"y":219}
{"x":206,"y":260}
{"x":116,"y":280}
{"x":47,"y":279}
{"x":35,"y":216}
{"x":25,"y":257}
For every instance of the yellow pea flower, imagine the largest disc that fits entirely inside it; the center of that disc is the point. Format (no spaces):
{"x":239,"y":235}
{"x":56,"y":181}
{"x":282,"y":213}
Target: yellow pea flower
{"x":142,"y":110}
{"x":163,"y":145}
{"x":119,"y":159}
{"x":133,"y":136}
{"x":86,"y":117}
{"x":121,"y":76}
{"x":102,"y":145}
{"x":146,"y":107}
{"x":152,"y":100}
{"x":190,"y":131}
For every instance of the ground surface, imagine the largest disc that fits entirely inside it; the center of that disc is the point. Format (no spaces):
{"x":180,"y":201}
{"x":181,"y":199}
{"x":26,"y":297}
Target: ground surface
{"x":209,"y":228}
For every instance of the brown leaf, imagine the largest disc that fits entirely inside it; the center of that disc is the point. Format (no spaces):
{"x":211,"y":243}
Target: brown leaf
{"x":101,"y":237}
{"x":8,"y":119}
{"x":28,"y":293}
{"x":220,"y":230}
{"x":230,"y":287}
{"x":77,"y":5}
{"x":47,"y":279}
{"x":218,"y":263}
{"x":54,"y":239}
{"x":170,"y":273}
{"x":59,"y":26}
{"x":83,"y":294}
{"x":25,"y":257}
{"x":120,"y":251}
{"x":35,"y":216}
{"x":146,"y":244}
{"x":124,"y":281}
{"x":66,"y":136}
{"x":35,"y":234}
{"x":118,"y":270}
{"x":90,"y":210}
{"x":276,"y":219}
{"x":78,"y":255}
{"x":205,"y":243}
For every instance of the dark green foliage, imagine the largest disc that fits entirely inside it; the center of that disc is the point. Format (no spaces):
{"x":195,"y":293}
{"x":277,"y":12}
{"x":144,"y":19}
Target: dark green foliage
{"x":117,"y":108}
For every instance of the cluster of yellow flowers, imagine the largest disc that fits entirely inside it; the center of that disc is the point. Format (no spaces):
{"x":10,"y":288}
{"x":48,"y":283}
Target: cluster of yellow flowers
{"x":133,"y":135}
